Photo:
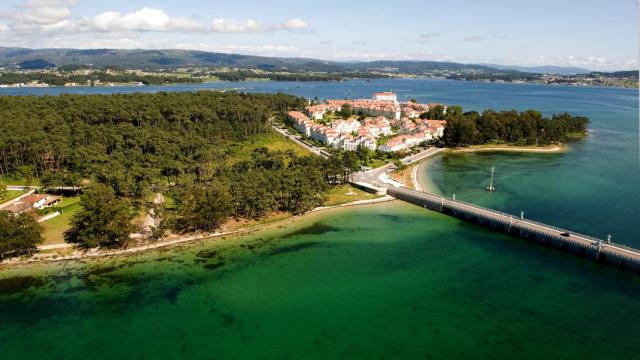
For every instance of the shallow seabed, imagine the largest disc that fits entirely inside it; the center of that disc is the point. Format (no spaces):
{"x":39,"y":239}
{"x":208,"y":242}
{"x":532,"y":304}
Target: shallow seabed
{"x":382,"y":281}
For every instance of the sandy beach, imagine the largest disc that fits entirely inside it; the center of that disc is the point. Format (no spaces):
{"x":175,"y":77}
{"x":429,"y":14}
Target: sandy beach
{"x":506,"y":148}
{"x":423,"y":180}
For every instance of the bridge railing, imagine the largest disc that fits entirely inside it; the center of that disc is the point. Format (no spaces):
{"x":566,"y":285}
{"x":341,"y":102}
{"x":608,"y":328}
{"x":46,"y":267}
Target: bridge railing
{"x":514,"y":217}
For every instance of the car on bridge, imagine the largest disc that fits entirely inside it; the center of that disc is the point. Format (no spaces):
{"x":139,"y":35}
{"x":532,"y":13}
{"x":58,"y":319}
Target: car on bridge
{"x":565,"y":234}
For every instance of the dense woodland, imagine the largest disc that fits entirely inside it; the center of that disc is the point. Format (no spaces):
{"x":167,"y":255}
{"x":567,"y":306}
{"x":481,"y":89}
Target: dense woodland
{"x":124,"y":147}
{"x":509,"y":127}
{"x":122,"y":139}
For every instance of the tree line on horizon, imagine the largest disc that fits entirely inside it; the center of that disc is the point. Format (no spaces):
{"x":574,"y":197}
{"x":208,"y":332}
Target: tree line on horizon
{"x":8,"y":78}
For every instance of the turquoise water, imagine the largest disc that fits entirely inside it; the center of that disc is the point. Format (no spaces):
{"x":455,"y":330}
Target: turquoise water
{"x":384,"y":281}
{"x":593,"y":188}
{"x":389,"y":281}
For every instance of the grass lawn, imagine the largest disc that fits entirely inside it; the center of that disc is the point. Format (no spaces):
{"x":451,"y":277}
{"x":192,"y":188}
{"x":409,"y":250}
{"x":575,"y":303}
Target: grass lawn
{"x":271,"y":140}
{"x":346,"y":193}
{"x":53,"y":229}
{"x":11,"y":194}
{"x":375,"y":163}
{"x":18,"y":181}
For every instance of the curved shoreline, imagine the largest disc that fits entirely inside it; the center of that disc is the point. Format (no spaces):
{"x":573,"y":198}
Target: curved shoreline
{"x":420,"y":177}
{"x":506,"y":148}
{"x":181,"y":240}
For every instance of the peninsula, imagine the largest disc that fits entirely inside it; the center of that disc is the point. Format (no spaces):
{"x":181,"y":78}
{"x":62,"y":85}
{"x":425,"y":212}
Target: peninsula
{"x":152,"y":166}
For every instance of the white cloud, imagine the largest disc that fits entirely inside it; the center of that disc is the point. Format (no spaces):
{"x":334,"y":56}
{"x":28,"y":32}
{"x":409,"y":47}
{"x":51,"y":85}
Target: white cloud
{"x":38,"y":15}
{"x":53,"y":23}
{"x":44,"y":12}
{"x":252,"y":26}
{"x":46,"y":17}
{"x":235,"y":26}
{"x":295,"y":24}
{"x":264,"y":50}
{"x":145,"y":19}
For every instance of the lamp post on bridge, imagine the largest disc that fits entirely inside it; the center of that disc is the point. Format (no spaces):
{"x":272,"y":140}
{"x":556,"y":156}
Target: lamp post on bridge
{"x":522,"y":215}
{"x":609,"y":239}
{"x":454,"y":196}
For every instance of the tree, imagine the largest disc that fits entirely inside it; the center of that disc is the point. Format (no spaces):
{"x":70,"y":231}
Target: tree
{"x":399,"y":165}
{"x":161,"y":221}
{"x":52,"y":180}
{"x":104,"y":220}
{"x":346,"y":111}
{"x":205,"y":207}
{"x":19,"y":234}
{"x":452,"y":111}
{"x":434,"y":113}
{"x":459,"y":131}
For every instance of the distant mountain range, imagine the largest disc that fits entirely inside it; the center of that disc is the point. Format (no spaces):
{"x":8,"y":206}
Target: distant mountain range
{"x":162,"y":59}
{"x":170,"y":59}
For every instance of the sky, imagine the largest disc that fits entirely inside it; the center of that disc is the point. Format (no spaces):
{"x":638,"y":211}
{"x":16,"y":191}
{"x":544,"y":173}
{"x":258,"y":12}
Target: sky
{"x":593,"y":34}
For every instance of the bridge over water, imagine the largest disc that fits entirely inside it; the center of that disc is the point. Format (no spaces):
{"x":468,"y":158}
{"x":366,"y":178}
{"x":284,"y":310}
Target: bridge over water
{"x":602,"y":251}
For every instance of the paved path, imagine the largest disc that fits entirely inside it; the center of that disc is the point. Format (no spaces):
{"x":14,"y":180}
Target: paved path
{"x":375,"y":176}
{"x":421,"y":155}
{"x":296,"y":138}
{"x":12,"y":201}
{"x":55,"y":246}
{"x":35,"y":187}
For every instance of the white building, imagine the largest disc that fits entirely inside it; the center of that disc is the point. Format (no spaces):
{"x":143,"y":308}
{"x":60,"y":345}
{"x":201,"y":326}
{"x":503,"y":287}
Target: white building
{"x":346,"y":126}
{"x":386,"y":96}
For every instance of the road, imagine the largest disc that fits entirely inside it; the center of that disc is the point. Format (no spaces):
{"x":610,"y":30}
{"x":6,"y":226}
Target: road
{"x":375,"y":176}
{"x":296,"y":138}
{"x":16,"y":199}
{"x":33,"y":187}
{"x":421,"y":155}
{"x":530,"y":225}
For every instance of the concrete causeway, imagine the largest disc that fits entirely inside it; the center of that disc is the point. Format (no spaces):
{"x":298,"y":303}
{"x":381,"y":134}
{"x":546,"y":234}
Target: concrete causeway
{"x":599,"y":250}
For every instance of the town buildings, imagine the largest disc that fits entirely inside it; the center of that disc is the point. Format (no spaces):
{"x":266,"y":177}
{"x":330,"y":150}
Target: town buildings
{"x":377,"y":118}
